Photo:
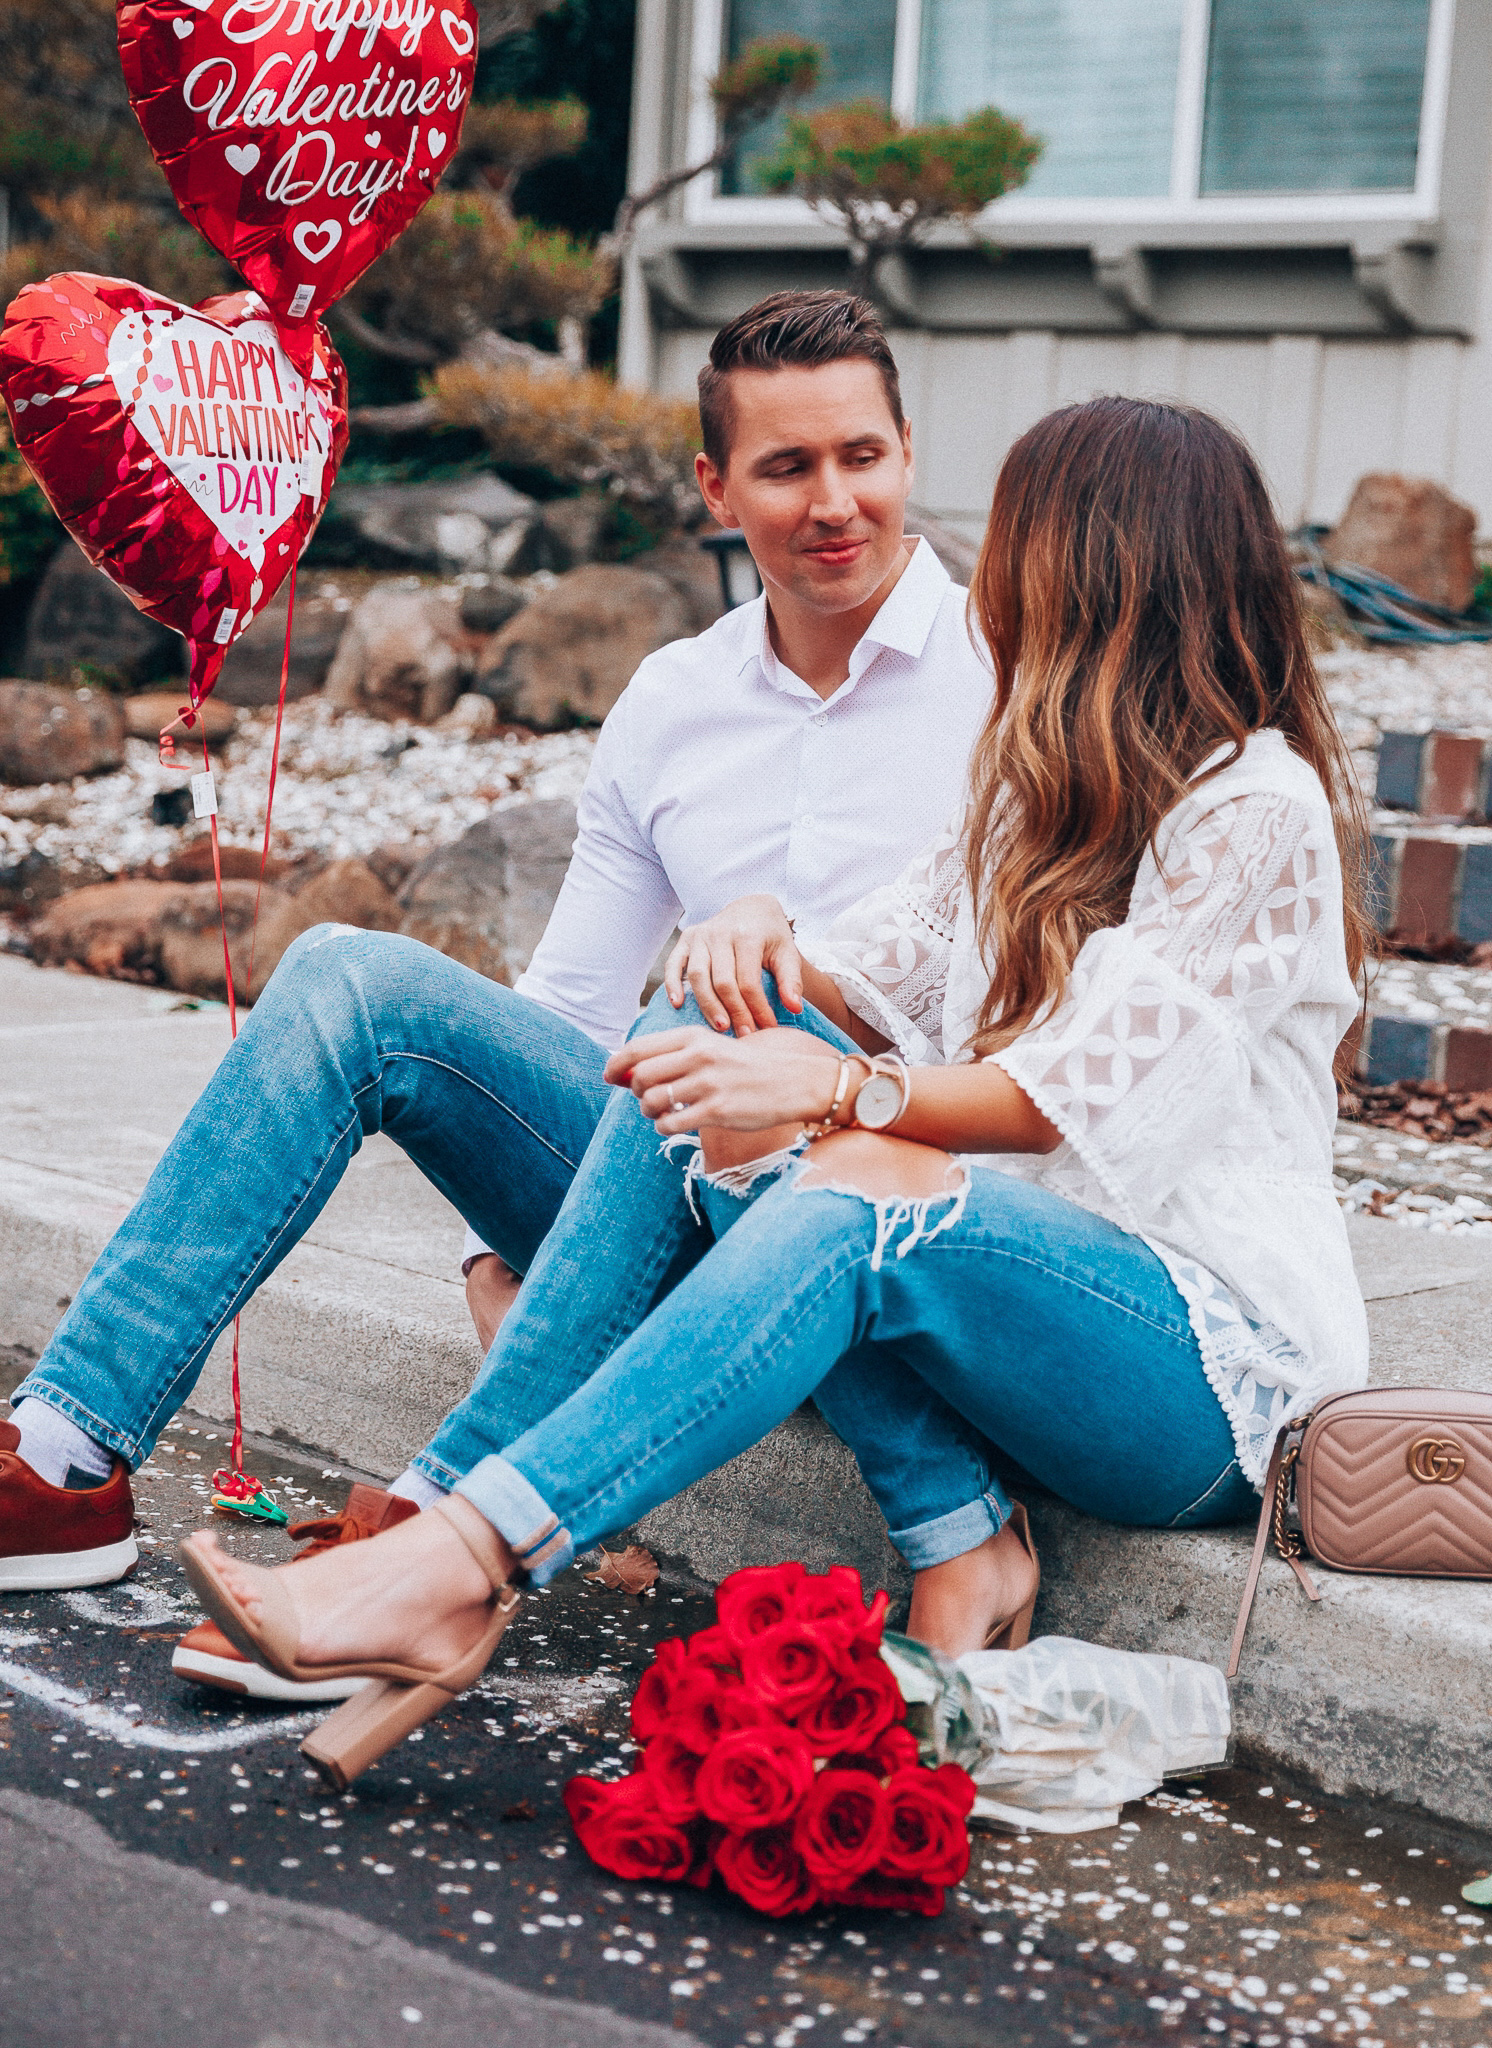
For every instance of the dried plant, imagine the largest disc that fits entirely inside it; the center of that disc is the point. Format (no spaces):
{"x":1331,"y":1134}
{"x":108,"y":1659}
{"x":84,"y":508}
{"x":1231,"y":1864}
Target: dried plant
{"x":583,"y":429}
{"x":501,"y":139}
{"x":118,"y":238}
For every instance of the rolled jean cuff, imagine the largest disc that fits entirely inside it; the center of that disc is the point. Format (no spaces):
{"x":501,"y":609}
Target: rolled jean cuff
{"x":433,"y":1467}
{"x":950,"y":1535}
{"x":500,"y":1492}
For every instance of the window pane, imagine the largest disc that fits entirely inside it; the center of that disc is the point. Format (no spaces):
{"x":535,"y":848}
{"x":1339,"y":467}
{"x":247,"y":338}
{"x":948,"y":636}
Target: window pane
{"x":1306,"y":97}
{"x":859,"y":43}
{"x":1096,"y":79}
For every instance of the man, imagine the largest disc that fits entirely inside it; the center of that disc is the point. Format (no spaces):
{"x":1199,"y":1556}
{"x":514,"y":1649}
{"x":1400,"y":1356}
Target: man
{"x":805,"y":747}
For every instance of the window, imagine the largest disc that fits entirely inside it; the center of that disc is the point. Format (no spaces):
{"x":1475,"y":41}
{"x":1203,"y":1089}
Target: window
{"x":859,"y":43}
{"x":1150,"y":100}
{"x":1095,"y":79}
{"x":1312,"y":98}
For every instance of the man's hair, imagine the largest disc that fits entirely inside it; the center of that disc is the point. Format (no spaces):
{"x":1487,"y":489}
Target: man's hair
{"x":799,"y":330}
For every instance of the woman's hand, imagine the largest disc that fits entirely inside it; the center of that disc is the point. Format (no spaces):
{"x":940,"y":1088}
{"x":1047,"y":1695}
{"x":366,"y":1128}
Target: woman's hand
{"x":683,"y":1079}
{"x":723,"y":961}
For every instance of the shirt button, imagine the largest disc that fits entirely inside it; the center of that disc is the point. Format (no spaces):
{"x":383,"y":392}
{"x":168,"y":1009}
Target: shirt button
{"x":819,"y":718}
{"x":806,"y":818}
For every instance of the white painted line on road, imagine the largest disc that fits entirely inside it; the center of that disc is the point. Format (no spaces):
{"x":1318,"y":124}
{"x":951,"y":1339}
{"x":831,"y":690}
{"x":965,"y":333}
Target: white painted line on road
{"x":110,"y":1724}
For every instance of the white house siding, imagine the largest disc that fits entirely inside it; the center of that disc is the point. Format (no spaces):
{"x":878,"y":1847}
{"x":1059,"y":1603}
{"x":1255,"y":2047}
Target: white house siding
{"x":1317,"y":412}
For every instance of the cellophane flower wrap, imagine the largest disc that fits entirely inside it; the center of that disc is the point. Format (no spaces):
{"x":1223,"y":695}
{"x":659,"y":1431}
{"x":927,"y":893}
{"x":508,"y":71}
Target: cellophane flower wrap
{"x":775,"y":1755}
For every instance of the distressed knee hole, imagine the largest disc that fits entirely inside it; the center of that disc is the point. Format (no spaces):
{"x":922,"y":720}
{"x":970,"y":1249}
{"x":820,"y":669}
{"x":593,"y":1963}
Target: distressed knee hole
{"x":900,"y":1181}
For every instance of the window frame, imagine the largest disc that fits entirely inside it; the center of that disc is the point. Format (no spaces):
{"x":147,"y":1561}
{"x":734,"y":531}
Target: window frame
{"x":1184,"y":207}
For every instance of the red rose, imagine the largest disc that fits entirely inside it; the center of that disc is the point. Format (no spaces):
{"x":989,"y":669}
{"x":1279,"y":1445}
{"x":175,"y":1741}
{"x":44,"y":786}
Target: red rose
{"x":890,"y":1893}
{"x":865,"y":1700}
{"x":835,"y":1602}
{"x":708,"y":1706}
{"x":672,"y":1769}
{"x":752,"y":1601}
{"x":652,"y":1701}
{"x":712,"y":1649}
{"x":789,"y":1667}
{"x":755,"y":1778}
{"x":896,"y":1750}
{"x":765,"y":1870}
{"x":927,"y":1837}
{"x":621,"y":1828}
{"x":841,"y":1830}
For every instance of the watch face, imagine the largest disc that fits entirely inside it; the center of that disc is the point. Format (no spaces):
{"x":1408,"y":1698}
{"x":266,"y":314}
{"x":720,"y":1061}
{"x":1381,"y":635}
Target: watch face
{"x":878,"y":1103}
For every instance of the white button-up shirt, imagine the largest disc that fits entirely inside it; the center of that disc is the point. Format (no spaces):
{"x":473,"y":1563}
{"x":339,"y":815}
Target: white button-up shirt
{"x":719,"y":773}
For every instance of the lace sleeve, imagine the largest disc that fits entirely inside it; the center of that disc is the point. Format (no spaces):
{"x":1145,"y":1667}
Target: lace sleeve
{"x":888,"y":954}
{"x":1145,"y":1063}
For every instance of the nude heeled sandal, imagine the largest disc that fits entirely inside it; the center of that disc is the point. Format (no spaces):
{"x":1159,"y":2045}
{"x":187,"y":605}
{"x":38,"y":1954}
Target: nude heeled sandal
{"x":1015,"y":1633}
{"x":401,"y":1696}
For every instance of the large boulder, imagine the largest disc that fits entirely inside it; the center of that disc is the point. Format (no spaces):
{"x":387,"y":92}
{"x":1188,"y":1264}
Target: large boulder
{"x":168,"y":933}
{"x":1411,"y":531}
{"x":574,"y":530}
{"x":491,"y":603}
{"x":251,"y":673}
{"x":146,"y":716}
{"x":50,"y":734}
{"x":693,"y":574}
{"x":567,"y":657}
{"x":485,"y":899}
{"x":405,"y":654}
{"x":79,"y":615}
{"x":472,"y":522}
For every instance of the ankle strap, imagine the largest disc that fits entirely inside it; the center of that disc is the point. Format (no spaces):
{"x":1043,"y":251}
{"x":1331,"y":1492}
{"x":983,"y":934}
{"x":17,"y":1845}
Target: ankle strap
{"x":479,"y":1536}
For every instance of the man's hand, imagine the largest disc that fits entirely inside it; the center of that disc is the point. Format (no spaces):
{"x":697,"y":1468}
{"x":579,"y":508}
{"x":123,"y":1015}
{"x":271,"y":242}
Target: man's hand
{"x":723,"y":961}
{"x":687,"y":1078}
{"x":491,"y":1290}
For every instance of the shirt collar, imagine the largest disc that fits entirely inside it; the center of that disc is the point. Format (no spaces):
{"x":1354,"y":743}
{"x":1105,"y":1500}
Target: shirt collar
{"x":902,"y":623}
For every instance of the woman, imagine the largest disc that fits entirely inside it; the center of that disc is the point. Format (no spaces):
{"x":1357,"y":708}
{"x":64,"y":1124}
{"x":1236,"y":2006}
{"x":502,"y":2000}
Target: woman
{"x":1089,"y":1221}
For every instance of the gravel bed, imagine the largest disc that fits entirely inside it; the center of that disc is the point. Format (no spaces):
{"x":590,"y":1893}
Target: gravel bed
{"x":347,"y":784}
{"x":1430,"y":992}
{"x":1378,"y":690}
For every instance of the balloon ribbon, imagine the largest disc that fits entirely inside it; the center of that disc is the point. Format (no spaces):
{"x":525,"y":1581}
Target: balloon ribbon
{"x":236,"y":1492}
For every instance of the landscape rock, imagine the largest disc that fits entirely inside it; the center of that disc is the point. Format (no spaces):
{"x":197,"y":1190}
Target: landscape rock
{"x":404,"y":654}
{"x":485,"y":899}
{"x":80,"y":615}
{"x":1411,"y":531}
{"x":473,"y":715}
{"x":574,"y":529}
{"x":394,"y":863}
{"x":471,"y":522}
{"x":50,"y":734}
{"x":568,"y":656}
{"x":39,"y":878}
{"x":145,"y":717}
{"x":251,"y":673}
{"x":486,"y":606}
{"x":692,"y":572}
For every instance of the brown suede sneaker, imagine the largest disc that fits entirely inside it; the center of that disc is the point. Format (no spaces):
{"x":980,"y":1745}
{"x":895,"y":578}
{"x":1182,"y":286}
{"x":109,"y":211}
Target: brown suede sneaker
{"x":52,"y":1537}
{"x":205,"y":1654}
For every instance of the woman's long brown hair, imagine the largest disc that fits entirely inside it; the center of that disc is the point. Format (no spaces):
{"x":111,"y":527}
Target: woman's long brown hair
{"x":1138,"y":604}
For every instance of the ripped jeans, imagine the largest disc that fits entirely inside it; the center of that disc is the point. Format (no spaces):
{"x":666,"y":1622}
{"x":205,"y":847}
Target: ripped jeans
{"x":926,"y":1334}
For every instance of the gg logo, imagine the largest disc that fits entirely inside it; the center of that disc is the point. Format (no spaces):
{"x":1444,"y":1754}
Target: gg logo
{"x":1436,"y":1461}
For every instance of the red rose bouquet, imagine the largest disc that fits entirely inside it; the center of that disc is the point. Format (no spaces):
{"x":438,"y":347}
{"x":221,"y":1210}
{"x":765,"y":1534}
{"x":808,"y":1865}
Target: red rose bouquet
{"x":774,"y":1754}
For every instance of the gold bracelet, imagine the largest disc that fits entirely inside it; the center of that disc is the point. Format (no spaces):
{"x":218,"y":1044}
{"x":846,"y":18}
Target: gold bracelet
{"x":819,"y":1127}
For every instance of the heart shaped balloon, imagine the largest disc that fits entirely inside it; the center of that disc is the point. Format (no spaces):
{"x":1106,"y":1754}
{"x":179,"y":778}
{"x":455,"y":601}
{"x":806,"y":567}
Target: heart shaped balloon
{"x":180,"y":446}
{"x":300,"y":136}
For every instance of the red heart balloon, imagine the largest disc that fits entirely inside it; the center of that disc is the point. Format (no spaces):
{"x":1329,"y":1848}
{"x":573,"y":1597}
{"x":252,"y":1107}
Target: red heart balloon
{"x":300,"y":136}
{"x":180,"y":446}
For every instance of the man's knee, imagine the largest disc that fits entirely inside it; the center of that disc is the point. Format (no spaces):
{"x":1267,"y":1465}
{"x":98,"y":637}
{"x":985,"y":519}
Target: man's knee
{"x":337,"y":963}
{"x":660,"y":1014}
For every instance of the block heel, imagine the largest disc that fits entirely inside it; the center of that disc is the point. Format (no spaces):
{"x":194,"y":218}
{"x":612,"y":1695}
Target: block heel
{"x":368,"y":1726}
{"x":1015,"y":1633}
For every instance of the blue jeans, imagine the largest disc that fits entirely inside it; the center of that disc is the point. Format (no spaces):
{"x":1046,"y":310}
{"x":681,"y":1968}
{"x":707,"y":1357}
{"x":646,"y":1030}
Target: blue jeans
{"x":1016,"y":1320}
{"x":494,"y":1098}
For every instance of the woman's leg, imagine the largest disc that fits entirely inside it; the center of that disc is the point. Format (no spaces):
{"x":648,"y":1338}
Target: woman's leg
{"x":1056,"y":1335}
{"x":625,"y":1236}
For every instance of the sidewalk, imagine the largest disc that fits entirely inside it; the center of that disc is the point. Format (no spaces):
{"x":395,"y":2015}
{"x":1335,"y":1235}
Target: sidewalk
{"x":361,"y":1342}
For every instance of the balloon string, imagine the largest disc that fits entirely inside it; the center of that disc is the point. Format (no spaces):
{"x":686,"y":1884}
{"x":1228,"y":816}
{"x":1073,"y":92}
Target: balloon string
{"x":236,"y":1451}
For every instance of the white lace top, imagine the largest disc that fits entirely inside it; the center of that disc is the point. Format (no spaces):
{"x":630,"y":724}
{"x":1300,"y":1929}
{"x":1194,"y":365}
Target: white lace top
{"x":1188,"y":1067}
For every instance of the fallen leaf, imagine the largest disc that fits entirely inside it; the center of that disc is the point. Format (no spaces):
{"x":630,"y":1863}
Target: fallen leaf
{"x":522,"y":1809}
{"x":1478,"y":1892}
{"x":634,"y":1571}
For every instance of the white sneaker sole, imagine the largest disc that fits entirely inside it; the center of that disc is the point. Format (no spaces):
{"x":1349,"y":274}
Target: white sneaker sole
{"x":61,"y":1570}
{"x":242,"y":1675}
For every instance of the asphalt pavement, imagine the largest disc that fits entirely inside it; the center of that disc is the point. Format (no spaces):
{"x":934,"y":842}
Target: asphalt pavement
{"x":172,"y":1872}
